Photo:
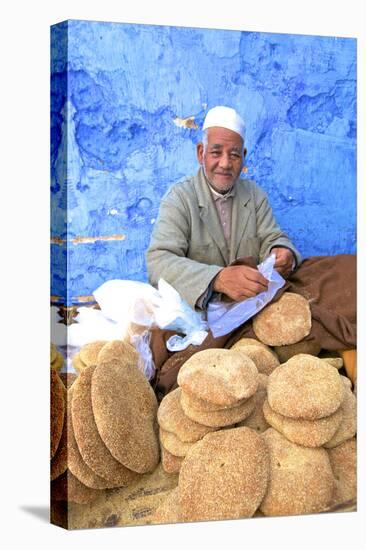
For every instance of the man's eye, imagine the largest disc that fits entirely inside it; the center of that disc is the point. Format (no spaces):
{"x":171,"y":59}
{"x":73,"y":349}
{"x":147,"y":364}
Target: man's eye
{"x":235,"y":156}
{"x":215,"y":153}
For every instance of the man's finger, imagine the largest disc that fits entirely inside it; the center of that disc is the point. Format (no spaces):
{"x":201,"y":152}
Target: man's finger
{"x":255,"y":276}
{"x":256,"y":286}
{"x":252,"y":289}
{"x":245,"y":294}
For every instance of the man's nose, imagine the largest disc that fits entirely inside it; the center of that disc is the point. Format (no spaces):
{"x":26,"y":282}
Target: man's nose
{"x":225,"y":161}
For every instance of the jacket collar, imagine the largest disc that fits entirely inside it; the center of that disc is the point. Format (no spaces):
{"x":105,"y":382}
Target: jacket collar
{"x":208,"y":213}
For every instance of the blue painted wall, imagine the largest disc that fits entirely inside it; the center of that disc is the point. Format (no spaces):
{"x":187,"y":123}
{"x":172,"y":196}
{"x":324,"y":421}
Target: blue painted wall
{"x":121,"y":95}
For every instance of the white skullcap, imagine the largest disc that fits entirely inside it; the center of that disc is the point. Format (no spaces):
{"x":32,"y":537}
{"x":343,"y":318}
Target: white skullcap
{"x":225,"y":117}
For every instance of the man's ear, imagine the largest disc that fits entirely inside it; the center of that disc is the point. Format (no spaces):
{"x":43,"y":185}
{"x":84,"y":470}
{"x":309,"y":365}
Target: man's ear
{"x":199,"y":152}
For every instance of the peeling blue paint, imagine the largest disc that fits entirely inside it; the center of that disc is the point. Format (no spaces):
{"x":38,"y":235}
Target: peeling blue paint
{"x":313,"y":113}
{"x":116,"y":90}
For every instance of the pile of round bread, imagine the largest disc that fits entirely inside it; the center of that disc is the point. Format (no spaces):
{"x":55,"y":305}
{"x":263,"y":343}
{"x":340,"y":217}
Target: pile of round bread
{"x":103,"y":428}
{"x":265,"y":428}
{"x":218,"y":388}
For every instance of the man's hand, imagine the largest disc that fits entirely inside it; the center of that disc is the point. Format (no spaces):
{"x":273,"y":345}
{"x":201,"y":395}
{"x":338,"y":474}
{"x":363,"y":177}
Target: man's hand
{"x":284,"y":261}
{"x":240,"y":282}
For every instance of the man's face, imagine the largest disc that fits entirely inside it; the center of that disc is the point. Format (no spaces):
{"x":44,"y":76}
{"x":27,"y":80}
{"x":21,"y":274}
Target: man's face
{"x":222,"y":158}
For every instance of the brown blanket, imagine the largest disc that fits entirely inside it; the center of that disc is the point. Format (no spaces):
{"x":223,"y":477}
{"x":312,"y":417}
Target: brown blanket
{"x":328,"y":282}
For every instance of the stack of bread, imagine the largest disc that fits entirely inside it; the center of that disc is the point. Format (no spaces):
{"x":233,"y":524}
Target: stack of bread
{"x":177,"y":432}
{"x":300,"y":433}
{"x":307,"y":400}
{"x":223,"y":468}
{"x":110,"y":428}
{"x":265,"y":428}
{"x":310,"y":408}
{"x":217,"y":389}
{"x":312,"y":413}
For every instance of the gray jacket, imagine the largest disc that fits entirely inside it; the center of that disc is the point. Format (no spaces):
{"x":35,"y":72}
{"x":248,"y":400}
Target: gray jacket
{"x":188,"y":246}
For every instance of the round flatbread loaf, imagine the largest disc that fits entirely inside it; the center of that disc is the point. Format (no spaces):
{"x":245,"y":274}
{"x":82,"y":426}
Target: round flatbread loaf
{"x":89,"y":352}
{"x":305,"y":387}
{"x":57,"y":410}
{"x":169,"y":510}
{"x":119,"y":350}
{"x":284,"y":322}
{"x":172,"y":419}
{"x":173,"y":444}
{"x":204,"y":406}
{"x":68,"y":488}
{"x":343,"y":460}
{"x":75,"y":461}
{"x":264,"y":358}
{"x":301,"y":479}
{"x":348,"y":427}
{"x":92,"y":449}
{"x":224,"y":476}
{"x":220,"y":418}
{"x":77,"y":363}
{"x":309,"y":433}
{"x":284,"y":353}
{"x":125,"y":409}
{"x":171,"y":463}
{"x":219,"y":376}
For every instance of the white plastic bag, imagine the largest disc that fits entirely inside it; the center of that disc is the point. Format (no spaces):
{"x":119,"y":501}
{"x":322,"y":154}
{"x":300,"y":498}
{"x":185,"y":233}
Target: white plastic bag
{"x":173,"y":313}
{"x":126,"y":307}
{"x":223,"y":317}
{"x":91,"y":325}
{"x":125,"y":301}
{"x":141,"y":342}
{"x":128,"y":302}
{"x":178,"y":343}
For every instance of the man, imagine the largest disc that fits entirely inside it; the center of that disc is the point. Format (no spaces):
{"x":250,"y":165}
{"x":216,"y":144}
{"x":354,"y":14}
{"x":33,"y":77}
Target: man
{"x":209,"y":220}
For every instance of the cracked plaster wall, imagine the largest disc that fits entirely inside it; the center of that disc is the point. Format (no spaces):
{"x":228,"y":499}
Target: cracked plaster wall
{"x":126,"y":104}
